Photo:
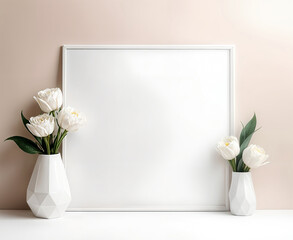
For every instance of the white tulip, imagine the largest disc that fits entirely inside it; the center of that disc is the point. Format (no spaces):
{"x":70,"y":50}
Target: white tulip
{"x":49,"y":99}
{"x":42,"y":125}
{"x":228,"y":147}
{"x":254,"y":156}
{"x":70,"y":119}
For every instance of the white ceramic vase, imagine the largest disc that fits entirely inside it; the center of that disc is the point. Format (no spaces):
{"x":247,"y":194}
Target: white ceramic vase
{"x":48,"y":193}
{"x":242,"y":195}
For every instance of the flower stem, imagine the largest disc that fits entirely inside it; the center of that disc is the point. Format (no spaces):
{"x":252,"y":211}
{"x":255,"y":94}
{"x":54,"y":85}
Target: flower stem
{"x":56,"y":140}
{"x":47,"y":142}
{"x":60,"y":140}
{"x":233,"y":164}
{"x":246,"y":169}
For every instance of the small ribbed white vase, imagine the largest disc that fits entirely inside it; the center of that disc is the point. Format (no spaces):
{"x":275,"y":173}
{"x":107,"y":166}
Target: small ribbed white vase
{"x":48,"y":193}
{"x":242,"y":195}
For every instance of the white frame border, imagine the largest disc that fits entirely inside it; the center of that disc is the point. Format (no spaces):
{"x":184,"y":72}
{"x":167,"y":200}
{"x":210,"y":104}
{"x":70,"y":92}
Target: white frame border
{"x":230,"y":48}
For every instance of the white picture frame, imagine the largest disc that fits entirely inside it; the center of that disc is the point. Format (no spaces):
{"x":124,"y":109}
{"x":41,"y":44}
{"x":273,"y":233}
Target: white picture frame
{"x":85,"y":196}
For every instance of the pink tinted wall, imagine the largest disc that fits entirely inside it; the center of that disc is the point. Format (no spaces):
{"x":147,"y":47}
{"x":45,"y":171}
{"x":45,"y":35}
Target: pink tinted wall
{"x":32,"y":33}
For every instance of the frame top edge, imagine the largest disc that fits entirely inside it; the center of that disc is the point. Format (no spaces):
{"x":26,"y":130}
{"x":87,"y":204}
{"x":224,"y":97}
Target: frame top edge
{"x":205,"y":47}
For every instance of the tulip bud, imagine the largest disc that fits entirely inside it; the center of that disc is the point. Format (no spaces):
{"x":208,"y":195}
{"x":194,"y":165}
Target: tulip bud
{"x":254,"y":156}
{"x":49,"y":99}
{"x":228,"y":147}
{"x":42,"y":125}
{"x":70,"y":119}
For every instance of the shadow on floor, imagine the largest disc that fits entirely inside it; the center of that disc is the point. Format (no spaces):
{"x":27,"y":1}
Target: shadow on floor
{"x":7,"y":214}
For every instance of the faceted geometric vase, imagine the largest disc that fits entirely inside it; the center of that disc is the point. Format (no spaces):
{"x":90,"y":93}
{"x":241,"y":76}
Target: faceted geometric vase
{"x":48,"y":193}
{"x":242,"y":195}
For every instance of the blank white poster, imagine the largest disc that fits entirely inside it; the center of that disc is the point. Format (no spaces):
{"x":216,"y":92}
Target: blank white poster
{"x":154,"y":117}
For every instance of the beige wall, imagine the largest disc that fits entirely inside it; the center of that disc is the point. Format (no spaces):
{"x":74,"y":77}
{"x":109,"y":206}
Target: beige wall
{"x":32,"y":32}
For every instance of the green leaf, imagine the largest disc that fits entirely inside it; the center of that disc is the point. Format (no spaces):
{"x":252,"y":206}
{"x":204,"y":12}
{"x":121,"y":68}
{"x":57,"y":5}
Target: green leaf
{"x":245,"y":137}
{"x":25,"y":121}
{"x":245,"y":144}
{"x":25,"y":144}
{"x":248,"y":129}
{"x":240,"y":163}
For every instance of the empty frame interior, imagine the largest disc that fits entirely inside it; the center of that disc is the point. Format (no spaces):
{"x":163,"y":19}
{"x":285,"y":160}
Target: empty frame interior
{"x":154,"y":116}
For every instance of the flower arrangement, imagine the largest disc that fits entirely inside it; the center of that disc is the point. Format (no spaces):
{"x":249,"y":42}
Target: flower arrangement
{"x":241,"y":156}
{"x":51,"y":127}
